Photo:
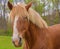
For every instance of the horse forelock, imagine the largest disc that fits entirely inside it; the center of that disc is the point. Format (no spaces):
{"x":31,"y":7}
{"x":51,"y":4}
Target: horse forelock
{"x":31,"y":14}
{"x":18,"y":9}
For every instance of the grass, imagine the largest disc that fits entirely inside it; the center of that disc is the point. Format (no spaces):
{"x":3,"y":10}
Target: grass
{"x":6,"y":43}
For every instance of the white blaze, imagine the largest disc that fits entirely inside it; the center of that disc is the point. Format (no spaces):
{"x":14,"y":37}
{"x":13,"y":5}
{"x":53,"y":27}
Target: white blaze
{"x":15,"y":31}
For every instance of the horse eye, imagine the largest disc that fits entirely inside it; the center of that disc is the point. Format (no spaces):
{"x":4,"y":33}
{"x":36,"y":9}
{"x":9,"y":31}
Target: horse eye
{"x":25,"y":17}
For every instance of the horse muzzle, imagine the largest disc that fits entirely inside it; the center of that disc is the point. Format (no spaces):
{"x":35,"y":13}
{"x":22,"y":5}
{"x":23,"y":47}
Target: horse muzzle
{"x":17,"y":43}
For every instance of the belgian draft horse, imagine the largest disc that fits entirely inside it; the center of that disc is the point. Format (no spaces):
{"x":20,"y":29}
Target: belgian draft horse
{"x":27,"y":24}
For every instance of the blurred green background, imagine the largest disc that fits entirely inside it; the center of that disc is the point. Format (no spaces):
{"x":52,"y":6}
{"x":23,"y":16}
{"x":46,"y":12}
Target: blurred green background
{"x":48,"y":9}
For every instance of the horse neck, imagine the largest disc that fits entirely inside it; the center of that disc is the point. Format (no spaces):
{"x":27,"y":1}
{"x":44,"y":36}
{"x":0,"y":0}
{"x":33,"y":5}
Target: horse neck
{"x":33,"y":34}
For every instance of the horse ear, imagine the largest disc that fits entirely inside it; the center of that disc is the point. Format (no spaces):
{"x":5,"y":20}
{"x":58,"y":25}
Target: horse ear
{"x":28,"y":6}
{"x":10,"y":5}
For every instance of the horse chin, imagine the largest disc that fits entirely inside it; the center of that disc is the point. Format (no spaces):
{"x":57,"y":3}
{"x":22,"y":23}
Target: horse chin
{"x":17,"y":45}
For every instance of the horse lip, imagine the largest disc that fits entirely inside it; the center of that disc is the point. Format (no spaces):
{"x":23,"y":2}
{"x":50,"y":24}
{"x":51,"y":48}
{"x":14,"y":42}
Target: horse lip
{"x":19,"y":43}
{"x":16,"y":45}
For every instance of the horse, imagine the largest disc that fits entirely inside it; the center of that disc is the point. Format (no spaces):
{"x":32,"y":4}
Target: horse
{"x":28,"y":25}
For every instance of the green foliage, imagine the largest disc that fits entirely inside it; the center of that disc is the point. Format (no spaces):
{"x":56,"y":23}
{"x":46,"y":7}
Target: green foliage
{"x":2,"y":32}
{"x":9,"y":32}
{"x":9,"y":29}
{"x":27,"y":1}
{"x":40,"y":8}
{"x":55,"y":20}
{"x":11,"y":0}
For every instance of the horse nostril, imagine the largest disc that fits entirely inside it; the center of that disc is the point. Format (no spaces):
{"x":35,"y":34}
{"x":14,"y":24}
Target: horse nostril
{"x":20,"y":41}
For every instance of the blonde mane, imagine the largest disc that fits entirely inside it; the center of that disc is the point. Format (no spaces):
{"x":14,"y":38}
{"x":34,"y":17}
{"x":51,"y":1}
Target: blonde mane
{"x":31,"y":14}
{"x":37,"y":19}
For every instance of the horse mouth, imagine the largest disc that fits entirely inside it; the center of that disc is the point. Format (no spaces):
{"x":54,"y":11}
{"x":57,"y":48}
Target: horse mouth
{"x":18,"y":44}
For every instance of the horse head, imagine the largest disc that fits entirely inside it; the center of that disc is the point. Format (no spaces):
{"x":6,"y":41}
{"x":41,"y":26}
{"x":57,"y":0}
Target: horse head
{"x":20,"y":22}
